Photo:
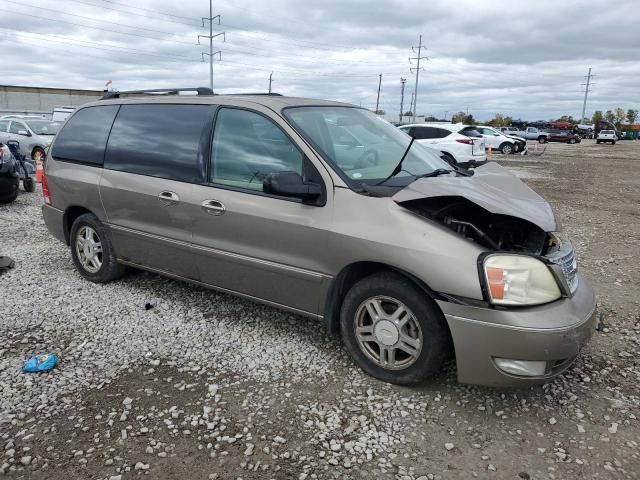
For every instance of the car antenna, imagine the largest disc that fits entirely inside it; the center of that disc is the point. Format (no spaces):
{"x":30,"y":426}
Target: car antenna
{"x":398,"y":167}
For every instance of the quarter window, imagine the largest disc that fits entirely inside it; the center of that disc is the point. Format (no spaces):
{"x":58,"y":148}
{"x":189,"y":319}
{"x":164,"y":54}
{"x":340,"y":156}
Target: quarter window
{"x":162,"y":140}
{"x":17,"y":127}
{"x":84,"y":136}
{"x":247,"y":147}
{"x":4,"y":124}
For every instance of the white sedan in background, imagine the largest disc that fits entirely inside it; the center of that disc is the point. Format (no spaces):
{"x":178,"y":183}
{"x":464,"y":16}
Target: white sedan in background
{"x":499,"y":141}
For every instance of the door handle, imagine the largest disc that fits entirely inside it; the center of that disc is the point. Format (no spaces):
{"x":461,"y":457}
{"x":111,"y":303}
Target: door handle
{"x":213,"y":207}
{"x":169,"y":197}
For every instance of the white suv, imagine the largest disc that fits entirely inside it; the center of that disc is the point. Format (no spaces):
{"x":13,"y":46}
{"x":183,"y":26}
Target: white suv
{"x":607,"y":136}
{"x":463,"y":149}
{"x":499,"y":141}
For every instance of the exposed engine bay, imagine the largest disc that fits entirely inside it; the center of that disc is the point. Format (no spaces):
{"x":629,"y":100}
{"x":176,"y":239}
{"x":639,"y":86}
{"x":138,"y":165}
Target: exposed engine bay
{"x":496,"y":232}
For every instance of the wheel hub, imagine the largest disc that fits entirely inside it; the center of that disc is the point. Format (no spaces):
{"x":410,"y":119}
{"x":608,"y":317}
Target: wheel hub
{"x":386,"y":332}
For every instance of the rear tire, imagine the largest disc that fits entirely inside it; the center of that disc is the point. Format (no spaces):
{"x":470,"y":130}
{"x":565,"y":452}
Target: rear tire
{"x":419,"y":337}
{"x":506,"y":148}
{"x":572,"y":141}
{"x":11,"y":197}
{"x":613,"y":143}
{"x":29,"y":184}
{"x":92,"y":252}
{"x":35,"y":152}
{"x":598,"y":142}
{"x":542,"y":139}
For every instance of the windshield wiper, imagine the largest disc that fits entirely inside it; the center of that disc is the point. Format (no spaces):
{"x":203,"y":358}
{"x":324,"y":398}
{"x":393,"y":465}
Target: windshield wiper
{"x":437,"y":172}
{"x":398,"y":167}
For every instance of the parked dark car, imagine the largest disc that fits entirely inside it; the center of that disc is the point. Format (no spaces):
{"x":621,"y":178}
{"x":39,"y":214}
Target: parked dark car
{"x":564,"y":136}
{"x":9,"y":175}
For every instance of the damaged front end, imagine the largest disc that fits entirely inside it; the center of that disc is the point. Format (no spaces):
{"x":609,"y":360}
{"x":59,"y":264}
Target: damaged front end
{"x":497,"y":211}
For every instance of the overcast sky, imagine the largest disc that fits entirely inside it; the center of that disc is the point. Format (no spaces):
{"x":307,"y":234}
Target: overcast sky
{"x":526,"y":59}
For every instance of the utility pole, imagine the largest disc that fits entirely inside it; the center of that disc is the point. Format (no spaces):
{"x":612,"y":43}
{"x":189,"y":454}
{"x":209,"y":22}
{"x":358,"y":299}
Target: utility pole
{"x":402,"y":82}
{"x":586,"y":93}
{"x":270,"y":75}
{"x":211,"y":36}
{"x":417,"y":69}
{"x":378,"y":99}
{"x":411,"y":104}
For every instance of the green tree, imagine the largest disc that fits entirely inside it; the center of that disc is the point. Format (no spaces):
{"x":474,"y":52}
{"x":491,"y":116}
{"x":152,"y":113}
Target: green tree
{"x":469,"y":120}
{"x":507,"y":121}
{"x":459,"y":117}
{"x":597,"y":116}
{"x":497,"y":121}
{"x":620,"y":116}
{"x":408,"y":113}
{"x":632,"y":116}
{"x":609,"y":116}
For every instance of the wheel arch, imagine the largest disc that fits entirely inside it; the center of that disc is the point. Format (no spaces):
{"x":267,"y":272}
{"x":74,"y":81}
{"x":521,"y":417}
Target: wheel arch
{"x":69,"y":216}
{"x":37,"y":147}
{"x":349,"y":276}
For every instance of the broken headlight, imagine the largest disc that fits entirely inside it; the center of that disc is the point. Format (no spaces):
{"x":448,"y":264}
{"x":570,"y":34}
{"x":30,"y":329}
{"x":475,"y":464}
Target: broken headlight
{"x":519,"y":280}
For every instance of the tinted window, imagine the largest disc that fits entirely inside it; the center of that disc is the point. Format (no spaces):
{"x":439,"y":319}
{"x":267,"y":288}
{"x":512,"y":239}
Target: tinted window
{"x":470,"y":132}
{"x":159,"y":140}
{"x":17,"y":127}
{"x":84,"y":136}
{"x":4,"y":124}
{"x":424,"y":133}
{"x":247,"y":147}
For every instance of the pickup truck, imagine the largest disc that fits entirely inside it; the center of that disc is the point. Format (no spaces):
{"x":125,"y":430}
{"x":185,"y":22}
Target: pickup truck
{"x":529,"y":133}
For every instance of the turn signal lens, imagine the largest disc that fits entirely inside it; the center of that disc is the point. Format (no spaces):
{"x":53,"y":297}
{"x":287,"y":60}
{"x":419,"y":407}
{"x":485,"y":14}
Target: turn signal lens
{"x":519,"y":280}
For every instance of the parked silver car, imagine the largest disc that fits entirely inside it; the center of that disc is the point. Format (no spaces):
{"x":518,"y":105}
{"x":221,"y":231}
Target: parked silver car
{"x":34,"y":134}
{"x":268,"y":197}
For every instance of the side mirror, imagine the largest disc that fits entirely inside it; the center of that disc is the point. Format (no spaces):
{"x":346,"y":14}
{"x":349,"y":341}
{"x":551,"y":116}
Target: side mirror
{"x":290,"y":184}
{"x":24,"y":133}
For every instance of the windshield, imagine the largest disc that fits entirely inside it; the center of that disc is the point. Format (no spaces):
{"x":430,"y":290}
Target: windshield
{"x":44,"y":127}
{"x":363,"y":147}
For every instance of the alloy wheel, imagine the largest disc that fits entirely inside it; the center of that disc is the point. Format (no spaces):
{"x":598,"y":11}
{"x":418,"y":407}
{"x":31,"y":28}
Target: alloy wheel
{"x":89,"y":249}
{"x":388,"y":333}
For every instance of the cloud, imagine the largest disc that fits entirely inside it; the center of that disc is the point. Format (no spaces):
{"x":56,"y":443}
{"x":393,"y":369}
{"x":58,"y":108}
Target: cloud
{"x":524,"y":59}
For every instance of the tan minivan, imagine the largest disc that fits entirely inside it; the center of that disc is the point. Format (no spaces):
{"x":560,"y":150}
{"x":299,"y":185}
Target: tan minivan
{"x":326,"y":210}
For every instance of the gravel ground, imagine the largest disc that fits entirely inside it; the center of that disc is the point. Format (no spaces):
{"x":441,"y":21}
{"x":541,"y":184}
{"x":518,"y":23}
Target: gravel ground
{"x":204,"y":385}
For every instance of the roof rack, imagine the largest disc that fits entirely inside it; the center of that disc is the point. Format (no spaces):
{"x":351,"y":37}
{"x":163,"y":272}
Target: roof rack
{"x":158,"y":91}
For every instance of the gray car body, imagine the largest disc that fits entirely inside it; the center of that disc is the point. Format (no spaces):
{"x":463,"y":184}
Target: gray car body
{"x":300,"y":257}
{"x":27,"y":142}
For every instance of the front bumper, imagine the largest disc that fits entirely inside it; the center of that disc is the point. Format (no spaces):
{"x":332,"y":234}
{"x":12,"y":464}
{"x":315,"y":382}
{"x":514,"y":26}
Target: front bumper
{"x":553,"y":333}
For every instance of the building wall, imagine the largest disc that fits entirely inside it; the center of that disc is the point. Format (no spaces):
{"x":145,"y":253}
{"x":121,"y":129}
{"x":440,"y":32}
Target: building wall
{"x":40,"y":101}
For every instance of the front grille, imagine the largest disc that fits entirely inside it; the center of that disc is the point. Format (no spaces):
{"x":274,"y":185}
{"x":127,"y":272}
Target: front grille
{"x":565,"y":258}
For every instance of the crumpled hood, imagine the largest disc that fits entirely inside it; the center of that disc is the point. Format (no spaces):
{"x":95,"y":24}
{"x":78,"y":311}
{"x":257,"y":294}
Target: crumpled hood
{"x":493,"y":188}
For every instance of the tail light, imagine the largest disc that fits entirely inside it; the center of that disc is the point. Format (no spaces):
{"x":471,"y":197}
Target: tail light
{"x":466,"y":141}
{"x":45,"y":190}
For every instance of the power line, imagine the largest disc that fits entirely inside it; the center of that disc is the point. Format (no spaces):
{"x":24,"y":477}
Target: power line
{"x":417,"y":70}
{"x":147,"y":9}
{"x":586,"y":93}
{"x":211,"y":36}
{"x":157,"y":17}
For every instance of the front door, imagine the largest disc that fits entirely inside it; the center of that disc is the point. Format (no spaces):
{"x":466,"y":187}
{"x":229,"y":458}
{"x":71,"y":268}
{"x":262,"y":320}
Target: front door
{"x":259,"y":245}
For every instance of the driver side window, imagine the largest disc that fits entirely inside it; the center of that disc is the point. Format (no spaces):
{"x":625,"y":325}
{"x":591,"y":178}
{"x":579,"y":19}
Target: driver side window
{"x":247,"y":147}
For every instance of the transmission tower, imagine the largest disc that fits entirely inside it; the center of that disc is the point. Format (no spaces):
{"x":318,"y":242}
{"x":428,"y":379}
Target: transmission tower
{"x":417,"y":70}
{"x":587,"y":87}
{"x":211,"y":36}
{"x":403,"y":81}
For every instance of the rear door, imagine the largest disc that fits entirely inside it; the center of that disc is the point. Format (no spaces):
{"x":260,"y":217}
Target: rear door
{"x":4,"y":127}
{"x":154,"y":155}
{"x":263,"y":246}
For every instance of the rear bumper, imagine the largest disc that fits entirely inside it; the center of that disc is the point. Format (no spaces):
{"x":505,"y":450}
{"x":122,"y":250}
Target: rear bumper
{"x":54,"y":220}
{"x":552,"y":333}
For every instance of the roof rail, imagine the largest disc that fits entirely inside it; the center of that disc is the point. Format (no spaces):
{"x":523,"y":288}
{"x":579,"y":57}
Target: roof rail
{"x":159,"y":91}
{"x":261,"y":94}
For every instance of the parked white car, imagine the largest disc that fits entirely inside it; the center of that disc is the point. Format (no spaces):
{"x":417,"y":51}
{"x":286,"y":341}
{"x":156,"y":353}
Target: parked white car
{"x":607,"y":136}
{"x":34,"y":134}
{"x":456,"y":148}
{"x":498,"y":141}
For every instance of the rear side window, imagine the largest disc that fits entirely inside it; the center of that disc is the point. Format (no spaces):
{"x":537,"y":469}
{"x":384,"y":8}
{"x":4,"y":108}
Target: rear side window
{"x":422,"y":133}
{"x":4,"y":124}
{"x":471,"y":132}
{"x":84,"y":137}
{"x":164,"y":140}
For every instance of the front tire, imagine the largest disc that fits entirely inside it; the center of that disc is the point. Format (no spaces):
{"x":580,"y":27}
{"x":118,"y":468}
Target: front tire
{"x":542,"y":139}
{"x":92,"y":252}
{"x":506,"y":148}
{"x":393,"y":330}
{"x":10,"y":197}
{"x":35,"y":152}
{"x":598,"y":142}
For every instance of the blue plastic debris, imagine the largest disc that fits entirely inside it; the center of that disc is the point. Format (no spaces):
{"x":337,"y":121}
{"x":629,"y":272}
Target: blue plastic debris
{"x":40,"y":363}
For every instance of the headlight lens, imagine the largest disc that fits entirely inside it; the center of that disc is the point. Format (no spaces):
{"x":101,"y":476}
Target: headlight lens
{"x":519,"y":280}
